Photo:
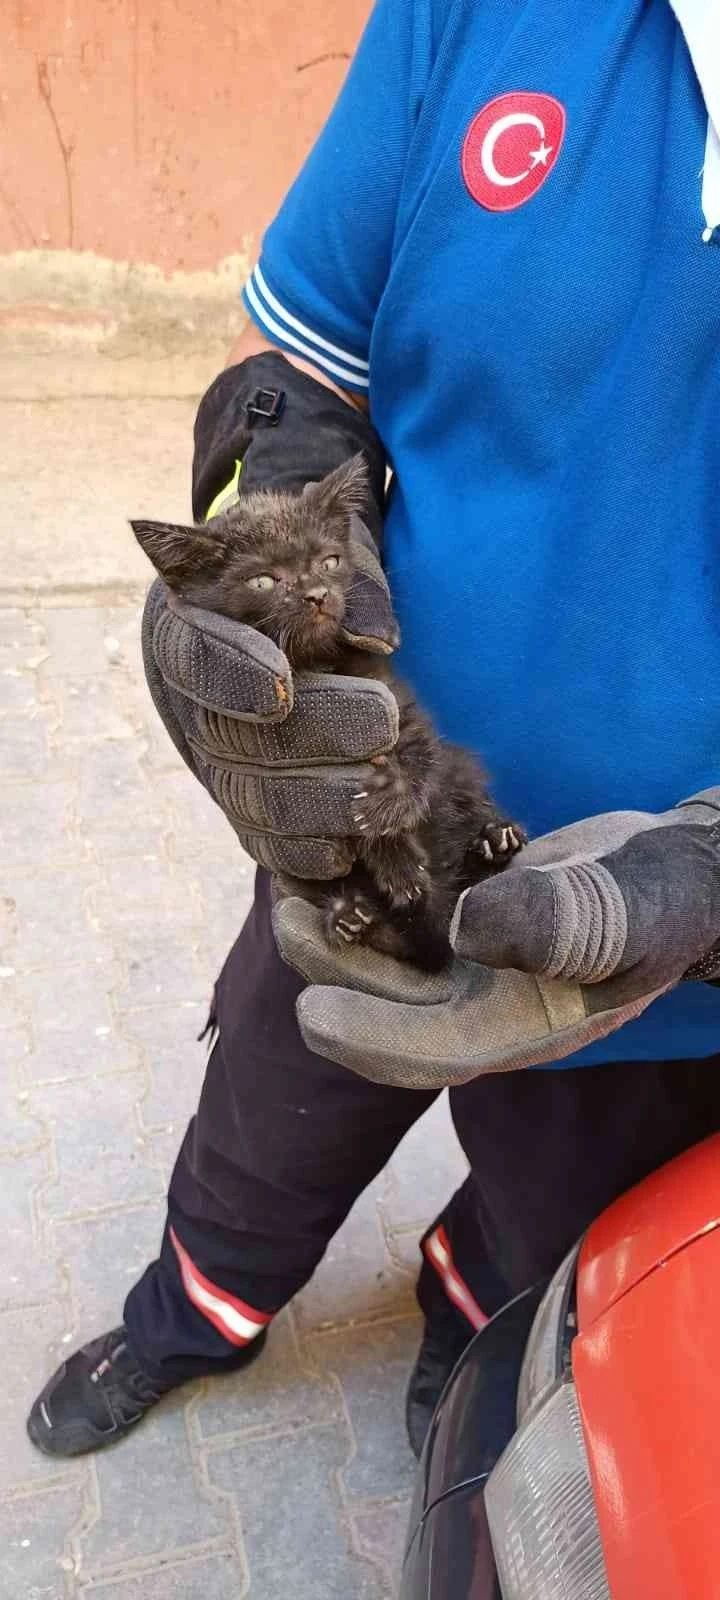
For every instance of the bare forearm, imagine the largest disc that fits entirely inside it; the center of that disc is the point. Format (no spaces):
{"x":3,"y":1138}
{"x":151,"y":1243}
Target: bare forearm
{"x":252,"y":343}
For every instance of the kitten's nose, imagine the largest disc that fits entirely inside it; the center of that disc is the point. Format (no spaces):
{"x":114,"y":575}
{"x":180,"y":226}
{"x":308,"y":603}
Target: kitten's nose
{"x":316,"y":595}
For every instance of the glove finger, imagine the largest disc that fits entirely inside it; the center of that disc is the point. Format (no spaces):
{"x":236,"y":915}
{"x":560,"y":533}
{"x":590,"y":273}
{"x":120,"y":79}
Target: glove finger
{"x":299,"y":935}
{"x":567,"y":922}
{"x":169,"y":705}
{"x":509,"y":1021}
{"x":220,"y":664}
{"x":509,"y":921}
{"x":300,"y":857}
{"x":313,"y":803}
{"x":335,"y":719}
{"x":370,"y":622}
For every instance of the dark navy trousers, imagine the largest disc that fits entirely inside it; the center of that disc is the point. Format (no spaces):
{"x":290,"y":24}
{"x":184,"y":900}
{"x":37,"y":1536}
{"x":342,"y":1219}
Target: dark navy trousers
{"x":283,"y":1143}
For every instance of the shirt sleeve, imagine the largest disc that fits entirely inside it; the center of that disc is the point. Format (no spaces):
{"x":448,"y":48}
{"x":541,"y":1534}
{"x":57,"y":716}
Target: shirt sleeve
{"x":325,"y":258}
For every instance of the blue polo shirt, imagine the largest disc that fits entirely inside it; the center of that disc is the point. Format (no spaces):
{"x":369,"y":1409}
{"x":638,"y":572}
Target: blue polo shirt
{"x":499,"y":233}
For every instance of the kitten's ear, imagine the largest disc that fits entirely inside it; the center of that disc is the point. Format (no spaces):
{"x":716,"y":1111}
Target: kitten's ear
{"x":344,"y":491}
{"x":180,"y":554}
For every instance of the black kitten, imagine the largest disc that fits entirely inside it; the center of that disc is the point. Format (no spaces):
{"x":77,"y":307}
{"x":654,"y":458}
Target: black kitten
{"x":428,"y":827}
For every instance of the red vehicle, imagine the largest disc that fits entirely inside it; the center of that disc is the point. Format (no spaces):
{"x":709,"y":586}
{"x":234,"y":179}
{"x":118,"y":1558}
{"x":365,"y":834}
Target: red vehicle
{"x":575,"y":1454}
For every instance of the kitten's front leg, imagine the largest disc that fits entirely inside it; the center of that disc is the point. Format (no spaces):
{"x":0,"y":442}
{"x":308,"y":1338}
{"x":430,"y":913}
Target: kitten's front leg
{"x":398,"y":868}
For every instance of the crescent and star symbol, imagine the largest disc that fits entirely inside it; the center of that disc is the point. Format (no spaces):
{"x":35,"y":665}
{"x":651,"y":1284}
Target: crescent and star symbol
{"x":511,"y":147}
{"x":516,"y":119}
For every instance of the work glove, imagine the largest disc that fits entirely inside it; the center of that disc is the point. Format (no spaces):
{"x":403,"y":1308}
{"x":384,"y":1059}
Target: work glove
{"x":576,"y":937}
{"x":283,"y":756}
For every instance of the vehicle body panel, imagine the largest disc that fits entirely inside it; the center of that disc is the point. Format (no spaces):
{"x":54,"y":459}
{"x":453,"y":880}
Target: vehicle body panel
{"x":648,"y":1379}
{"x":646,"y":1226}
{"x":646,"y":1364}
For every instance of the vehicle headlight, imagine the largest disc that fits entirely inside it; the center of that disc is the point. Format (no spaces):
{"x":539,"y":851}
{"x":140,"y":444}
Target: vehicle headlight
{"x":541,"y":1511}
{"x":539,"y":1499}
{"x":543,"y":1359}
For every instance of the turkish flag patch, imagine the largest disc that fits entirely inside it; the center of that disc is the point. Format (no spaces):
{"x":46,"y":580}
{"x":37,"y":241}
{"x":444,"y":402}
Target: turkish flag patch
{"x":511,"y":148}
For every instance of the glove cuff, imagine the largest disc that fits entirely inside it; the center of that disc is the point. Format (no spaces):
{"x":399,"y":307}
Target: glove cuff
{"x":286,"y":428}
{"x":707,"y":969}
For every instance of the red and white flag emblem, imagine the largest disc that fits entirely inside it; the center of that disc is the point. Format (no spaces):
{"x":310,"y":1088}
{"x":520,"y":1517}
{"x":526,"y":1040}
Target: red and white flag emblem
{"x":511,"y":147}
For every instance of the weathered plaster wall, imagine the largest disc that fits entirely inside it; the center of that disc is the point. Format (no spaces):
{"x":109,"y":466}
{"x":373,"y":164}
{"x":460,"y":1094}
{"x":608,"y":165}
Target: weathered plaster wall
{"x":144,"y":145}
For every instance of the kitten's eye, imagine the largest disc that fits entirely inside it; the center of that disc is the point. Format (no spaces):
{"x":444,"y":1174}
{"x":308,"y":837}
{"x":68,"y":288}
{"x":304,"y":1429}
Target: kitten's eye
{"x":330,"y":564}
{"x":262,"y":580}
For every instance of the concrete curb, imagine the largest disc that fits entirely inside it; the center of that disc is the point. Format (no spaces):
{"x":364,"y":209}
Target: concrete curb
{"x":77,"y":324}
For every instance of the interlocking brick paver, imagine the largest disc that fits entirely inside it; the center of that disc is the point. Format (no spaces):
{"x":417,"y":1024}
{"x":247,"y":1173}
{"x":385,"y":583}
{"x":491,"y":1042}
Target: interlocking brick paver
{"x":21,"y":1129}
{"x":200,"y":830}
{"x":102,"y":1258}
{"x":37,"y":824}
{"x":204,"y":1577}
{"x":143,"y":890}
{"x":120,"y":812}
{"x":14,"y":1045}
{"x":357,"y":1277}
{"x":380,"y":1534}
{"x":372,"y":1365}
{"x":150,"y":1496}
{"x":167,"y":1036}
{"x":75,"y":642}
{"x":19,"y":692}
{"x":226,"y":893}
{"x":63,"y":999}
{"x":278,"y":1391}
{"x":30,"y":1344}
{"x":123,"y":887}
{"x":25,"y":745}
{"x":33,"y":1529}
{"x":151,"y":977}
{"x":53,"y":918}
{"x":296,"y":1536}
{"x":99,"y":1149}
{"x":425,"y":1171}
{"x":22,"y":639}
{"x":27,"y":1276}
{"x":85,"y":712}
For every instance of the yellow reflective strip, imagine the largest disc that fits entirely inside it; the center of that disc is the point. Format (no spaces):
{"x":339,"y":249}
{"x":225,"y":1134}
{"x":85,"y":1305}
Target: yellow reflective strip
{"x":227,"y":496}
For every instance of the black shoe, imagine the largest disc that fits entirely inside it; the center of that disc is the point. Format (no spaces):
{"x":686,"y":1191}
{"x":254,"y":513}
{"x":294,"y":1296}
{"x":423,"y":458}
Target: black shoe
{"x":97,"y":1397}
{"x":439,"y":1353}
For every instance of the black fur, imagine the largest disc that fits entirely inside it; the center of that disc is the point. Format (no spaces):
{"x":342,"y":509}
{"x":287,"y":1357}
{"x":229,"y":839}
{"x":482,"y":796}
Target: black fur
{"x":428,"y":827}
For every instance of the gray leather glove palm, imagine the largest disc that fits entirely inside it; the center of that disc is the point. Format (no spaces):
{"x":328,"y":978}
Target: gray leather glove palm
{"x":579,"y":935}
{"x":282,"y":757}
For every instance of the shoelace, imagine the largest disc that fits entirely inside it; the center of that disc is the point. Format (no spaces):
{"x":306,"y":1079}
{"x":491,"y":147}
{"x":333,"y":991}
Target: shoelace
{"x":125,"y":1391}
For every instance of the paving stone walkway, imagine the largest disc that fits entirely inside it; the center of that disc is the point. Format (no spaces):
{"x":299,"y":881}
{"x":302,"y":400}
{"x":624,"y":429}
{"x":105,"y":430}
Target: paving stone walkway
{"x":121,"y":889}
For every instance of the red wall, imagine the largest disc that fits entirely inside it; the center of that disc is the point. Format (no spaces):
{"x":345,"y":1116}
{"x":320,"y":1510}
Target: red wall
{"x":161,"y":131}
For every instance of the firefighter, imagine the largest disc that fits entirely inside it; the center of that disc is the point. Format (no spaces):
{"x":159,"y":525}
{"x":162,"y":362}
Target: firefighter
{"x":497,"y":272}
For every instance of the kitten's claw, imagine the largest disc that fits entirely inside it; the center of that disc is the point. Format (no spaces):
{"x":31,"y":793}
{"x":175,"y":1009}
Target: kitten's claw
{"x":349,"y":918}
{"x":500,"y":841}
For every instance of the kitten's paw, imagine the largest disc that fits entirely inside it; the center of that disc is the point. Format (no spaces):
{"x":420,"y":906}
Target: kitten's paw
{"x":349,"y":918}
{"x":499,"y":842}
{"x":399,"y":868}
{"x":389,"y":803}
